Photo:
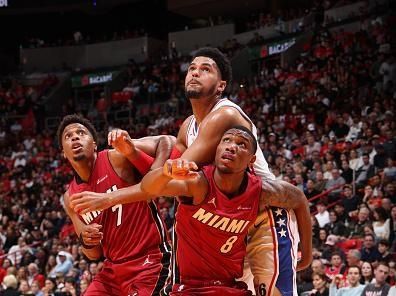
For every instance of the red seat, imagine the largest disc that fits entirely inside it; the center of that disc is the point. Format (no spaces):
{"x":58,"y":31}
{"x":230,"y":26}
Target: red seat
{"x":101,"y":105}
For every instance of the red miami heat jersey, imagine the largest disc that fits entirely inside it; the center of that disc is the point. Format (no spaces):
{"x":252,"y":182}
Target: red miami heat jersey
{"x":130,"y":230}
{"x":211,"y":236}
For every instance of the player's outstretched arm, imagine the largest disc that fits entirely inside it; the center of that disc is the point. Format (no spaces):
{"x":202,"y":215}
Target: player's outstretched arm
{"x":285,"y":195}
{"x":88,"y":201}
{"x":211,"y":130}
{"x":178,"y":177}
{"x":90,"y":235}
{"x":155,"y":184}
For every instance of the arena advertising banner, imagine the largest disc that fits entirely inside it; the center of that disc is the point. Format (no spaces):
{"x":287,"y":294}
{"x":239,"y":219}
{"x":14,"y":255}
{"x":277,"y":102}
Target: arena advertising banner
{"x":92,"y":78}
{"x":259,"y":52}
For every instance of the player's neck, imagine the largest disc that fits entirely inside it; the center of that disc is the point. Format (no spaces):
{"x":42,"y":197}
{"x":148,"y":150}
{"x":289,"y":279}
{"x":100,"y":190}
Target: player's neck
{"x":231,"y":184}
{"x":202,"y":107}
{"x":84,"y":168}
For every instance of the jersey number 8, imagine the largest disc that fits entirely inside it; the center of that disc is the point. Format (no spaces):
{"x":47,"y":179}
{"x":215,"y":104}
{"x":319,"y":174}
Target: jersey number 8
{"x":228,"y":244}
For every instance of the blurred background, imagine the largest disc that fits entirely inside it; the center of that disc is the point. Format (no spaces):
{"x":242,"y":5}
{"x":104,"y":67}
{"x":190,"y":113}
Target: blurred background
{"x":316,"y":77}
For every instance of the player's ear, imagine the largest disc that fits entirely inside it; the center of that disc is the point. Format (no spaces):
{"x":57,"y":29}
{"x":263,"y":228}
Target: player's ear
{"x":252,"y":160}
{"x":95,"y":147}
{"x":222,"y":86}
{"x":63,"y":153}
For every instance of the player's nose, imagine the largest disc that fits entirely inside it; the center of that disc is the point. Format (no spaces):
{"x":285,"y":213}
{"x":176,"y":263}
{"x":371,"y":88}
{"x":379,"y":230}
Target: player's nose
{"x":231,"y":147}
{"x":195,"y":72}
{"x":75,"y":137}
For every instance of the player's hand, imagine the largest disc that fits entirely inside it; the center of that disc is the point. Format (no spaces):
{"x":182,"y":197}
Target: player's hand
{"x":180,"y":169}
{"x":91,"y":234}
{"x":122,"y":142}
{"x":304,"y":263}
{"x":87,"y":201}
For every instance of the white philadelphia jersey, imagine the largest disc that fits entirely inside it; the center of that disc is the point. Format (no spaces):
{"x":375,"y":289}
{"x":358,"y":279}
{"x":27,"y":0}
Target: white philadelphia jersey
{"x":260,"y":165}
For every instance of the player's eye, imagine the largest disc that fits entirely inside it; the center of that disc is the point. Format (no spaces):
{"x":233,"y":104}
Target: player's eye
{"x":191,"y":68}
{"x":243,"y":145}
{"x":205,"y":69}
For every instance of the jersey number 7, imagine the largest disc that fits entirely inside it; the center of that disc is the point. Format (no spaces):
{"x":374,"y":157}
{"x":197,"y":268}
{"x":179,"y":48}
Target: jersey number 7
{"x":118,"y":207}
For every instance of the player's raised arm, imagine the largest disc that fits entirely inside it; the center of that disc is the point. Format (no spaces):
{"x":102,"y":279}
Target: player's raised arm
{"x":285,"y":195}
{"x":89,"y":235}
{"x":178,"y":177}
{"x":145,"y":153}
{"x":212,"y":129}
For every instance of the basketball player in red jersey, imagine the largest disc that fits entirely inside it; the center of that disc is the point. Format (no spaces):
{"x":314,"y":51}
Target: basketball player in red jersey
{"x":272,"y":258}
{"x":132,"y":237}
{"x":219,"y":204}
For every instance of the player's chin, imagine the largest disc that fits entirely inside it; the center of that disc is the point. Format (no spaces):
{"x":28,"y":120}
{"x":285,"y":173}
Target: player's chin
{"x":79,"y":156}
{"x":225,"y":168}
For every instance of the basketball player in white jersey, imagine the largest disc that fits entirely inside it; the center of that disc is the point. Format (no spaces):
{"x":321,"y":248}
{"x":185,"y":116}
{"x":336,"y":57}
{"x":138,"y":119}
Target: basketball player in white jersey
{"x":272,"y":248}
{"x":274,"y":238}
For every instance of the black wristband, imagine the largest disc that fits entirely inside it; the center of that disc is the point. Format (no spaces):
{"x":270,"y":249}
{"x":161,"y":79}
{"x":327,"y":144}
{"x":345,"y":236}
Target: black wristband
{"x":85,"y":246}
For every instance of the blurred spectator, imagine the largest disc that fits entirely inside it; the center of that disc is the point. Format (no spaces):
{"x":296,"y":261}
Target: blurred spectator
{"x":64,"y":264}
{"x":335,"y":183}
{"x":380,"y":287}
{"x":369,"y":250}
{"x":323,"y":215}
{"x":10,"y":286}
{"x":336,"y":267}
{"x":331,"y":247}
{"x":34,"y":275}
{"x":367,"y":273}
{"x":383,"y":249}
{"x":349,"y":200}
{"x":352,"y":285}
{"x":23,"y":287}
{"x":381,"y":224}
{"x":336,"y":226}
{"x":353,"y":257}
{"x":36,"y":289}
{"x":319,"y":281}
{"x":310,"y":190}
{"x":365,"y":171}
{"x":49,"y":287}
{"x":357,"y":228}
{"x":16,"y":251}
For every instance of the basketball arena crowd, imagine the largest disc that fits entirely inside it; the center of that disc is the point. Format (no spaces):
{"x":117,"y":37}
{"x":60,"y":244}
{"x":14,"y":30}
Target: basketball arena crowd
{"x":326,"y":124}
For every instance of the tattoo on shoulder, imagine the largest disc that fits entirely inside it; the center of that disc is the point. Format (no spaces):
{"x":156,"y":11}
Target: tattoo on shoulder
{"x":280,"y":194}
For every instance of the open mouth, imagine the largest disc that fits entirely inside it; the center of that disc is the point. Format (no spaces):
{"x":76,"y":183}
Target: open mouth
{"x":228,"y":156}
{"x":77,"y":147}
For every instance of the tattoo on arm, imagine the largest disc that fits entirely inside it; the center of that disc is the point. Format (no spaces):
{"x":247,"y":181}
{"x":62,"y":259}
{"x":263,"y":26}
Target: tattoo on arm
{"x":281,"y":194}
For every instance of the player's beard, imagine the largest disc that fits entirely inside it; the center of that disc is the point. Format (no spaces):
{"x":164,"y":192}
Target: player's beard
{"x":193,"y":94}
{"x":79,"y":157}
{"x":199,"y":94}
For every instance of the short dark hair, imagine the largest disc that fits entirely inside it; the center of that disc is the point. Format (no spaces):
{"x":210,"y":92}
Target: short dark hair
{"x":222,"y":62}
{"x":249,"y":132}
{"x":384,"y":242}
{"x":355,"y":266}
{"x":75,"y":118}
